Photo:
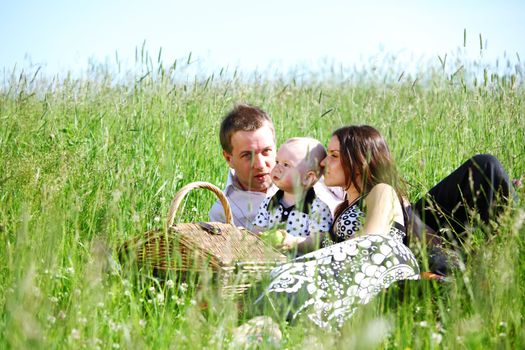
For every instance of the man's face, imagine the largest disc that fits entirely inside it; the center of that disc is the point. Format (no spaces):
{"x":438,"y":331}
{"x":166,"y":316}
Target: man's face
{"x":252,"y":158}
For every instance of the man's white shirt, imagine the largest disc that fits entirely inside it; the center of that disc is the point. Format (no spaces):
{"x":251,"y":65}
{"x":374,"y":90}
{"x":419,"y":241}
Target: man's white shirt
{"x":245,"y":204}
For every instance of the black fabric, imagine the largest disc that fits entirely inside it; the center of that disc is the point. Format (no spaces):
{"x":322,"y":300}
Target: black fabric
{"x":275,"y":202}
{"x":476,"y":186}
{"x":399,"y":226}
{"x":341,"y":208}
{"x":416,"y":229}
{"x":286,"y":213}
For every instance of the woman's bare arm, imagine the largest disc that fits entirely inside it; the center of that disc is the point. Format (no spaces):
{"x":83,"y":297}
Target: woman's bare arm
{"x":382,"y":208}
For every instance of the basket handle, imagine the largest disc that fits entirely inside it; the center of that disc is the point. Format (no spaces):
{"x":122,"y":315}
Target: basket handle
{"x":193,"y":185}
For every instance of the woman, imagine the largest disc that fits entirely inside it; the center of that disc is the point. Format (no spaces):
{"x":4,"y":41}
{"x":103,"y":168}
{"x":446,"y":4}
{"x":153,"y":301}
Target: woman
{"x":366,"y":252}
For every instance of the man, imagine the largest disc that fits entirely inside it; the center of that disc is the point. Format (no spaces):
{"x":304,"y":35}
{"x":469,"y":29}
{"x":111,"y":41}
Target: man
{"x":247,"y":138}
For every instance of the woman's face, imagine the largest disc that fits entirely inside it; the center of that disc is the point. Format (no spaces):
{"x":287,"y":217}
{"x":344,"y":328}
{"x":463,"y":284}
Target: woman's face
{"x":333,"y":168}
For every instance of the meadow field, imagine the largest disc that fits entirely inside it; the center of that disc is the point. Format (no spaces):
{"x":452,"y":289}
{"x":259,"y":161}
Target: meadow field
{"x":89,"y":161}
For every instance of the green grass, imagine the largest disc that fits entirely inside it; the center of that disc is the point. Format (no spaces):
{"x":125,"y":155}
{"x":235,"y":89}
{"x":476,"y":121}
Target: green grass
{"x":86,"y":163}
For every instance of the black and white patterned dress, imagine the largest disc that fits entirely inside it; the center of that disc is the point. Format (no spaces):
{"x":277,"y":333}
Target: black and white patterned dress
{"x":313,"y":217}
{"x":328,"y":285}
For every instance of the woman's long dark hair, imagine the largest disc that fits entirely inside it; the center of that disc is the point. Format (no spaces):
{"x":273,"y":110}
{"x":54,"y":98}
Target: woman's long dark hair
{"x":366,"y":160}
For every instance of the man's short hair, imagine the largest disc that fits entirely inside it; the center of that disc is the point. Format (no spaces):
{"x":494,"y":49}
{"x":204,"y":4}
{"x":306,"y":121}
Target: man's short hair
{"x":242,"y":117}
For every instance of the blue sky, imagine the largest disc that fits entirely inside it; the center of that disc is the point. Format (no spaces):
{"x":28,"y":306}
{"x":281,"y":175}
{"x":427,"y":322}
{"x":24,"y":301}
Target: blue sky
{"x":64,"y":35}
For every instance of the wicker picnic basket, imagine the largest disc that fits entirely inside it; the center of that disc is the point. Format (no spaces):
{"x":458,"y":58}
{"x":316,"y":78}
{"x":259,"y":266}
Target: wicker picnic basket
{"x":235,"y":256}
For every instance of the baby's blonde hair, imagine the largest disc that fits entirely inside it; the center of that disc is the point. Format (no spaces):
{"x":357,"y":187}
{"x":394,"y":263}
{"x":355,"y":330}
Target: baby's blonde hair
{"x":315,"y":153}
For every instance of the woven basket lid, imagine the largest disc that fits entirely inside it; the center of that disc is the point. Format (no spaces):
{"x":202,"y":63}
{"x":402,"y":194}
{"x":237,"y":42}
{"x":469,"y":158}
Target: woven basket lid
{"x":232,"y":245}
{"x":223,"y":243}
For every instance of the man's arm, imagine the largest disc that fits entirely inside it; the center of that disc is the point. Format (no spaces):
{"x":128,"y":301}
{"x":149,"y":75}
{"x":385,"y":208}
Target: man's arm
{"x":216,"y":213}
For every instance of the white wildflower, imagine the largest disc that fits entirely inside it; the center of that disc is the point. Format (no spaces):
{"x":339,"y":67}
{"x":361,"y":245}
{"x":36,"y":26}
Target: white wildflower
{"x":156,"y":219}
{"x":151,"y":289}
{"x":170,"y":284}
{"x":53,"y":299}
{"x":503,"y":334}
{"x":75,"y":333}
{"x":115,"y":327}
{"x":51,"y":319}
{"x":437,"y":338}
{"x":160,"y":298}
{"x":423,"y":324}
{"x":142,"y":323}
{"x":183,"y":287}
{"x":116,"y":195}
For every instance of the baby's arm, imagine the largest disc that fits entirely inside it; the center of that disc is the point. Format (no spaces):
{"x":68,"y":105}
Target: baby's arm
{"x":320,"y":221}
{"x":309,"y":243}
{"x":303,"y":244}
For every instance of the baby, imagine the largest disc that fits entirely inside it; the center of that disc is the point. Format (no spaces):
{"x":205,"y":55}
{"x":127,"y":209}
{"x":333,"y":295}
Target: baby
{"x":295,"y":205}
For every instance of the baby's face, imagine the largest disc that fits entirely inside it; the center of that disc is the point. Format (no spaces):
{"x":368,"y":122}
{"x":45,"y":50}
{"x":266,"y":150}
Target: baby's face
{"x":289,"y":167}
